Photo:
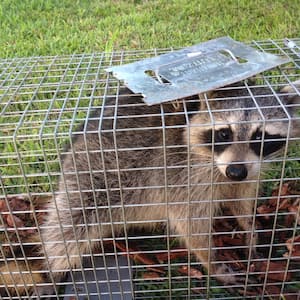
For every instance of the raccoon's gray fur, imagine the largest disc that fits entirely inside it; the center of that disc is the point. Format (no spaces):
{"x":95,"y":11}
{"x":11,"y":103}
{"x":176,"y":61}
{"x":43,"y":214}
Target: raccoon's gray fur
{"x":172,"y":151}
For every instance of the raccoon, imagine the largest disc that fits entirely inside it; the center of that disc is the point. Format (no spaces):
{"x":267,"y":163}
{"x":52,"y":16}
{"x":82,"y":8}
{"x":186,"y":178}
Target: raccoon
{"x":136,"y":165}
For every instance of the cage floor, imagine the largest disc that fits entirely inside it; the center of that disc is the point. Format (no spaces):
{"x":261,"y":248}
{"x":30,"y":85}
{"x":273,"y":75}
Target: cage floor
{"x":112,"y":277}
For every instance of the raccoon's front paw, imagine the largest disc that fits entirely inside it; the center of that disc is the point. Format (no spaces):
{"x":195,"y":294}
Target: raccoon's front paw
{"x":44,"y":290}
{"x":225,"y":274}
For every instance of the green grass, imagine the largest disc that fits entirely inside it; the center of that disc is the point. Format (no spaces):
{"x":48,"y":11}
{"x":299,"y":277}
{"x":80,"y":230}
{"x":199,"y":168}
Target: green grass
{"x":50,"y":27}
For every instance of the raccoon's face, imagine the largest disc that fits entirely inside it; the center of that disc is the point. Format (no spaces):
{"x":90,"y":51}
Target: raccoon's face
{"x":238,"y":129}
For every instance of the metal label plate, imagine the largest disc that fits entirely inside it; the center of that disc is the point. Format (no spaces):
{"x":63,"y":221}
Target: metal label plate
{"x":193,"y":70}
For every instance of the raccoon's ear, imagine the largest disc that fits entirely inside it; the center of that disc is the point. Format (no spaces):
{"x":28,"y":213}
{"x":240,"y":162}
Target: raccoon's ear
{"x":292,"y":96}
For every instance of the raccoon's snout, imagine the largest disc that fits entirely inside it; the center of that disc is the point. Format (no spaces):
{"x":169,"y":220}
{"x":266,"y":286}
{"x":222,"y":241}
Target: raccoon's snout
{"x":236,"y":172}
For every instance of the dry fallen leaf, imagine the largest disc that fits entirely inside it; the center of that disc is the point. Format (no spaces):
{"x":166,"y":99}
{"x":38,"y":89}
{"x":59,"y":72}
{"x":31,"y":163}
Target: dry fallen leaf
{"x":3,"y":206}
{"x":293,"y":243}
{"x":192,"y":272}
{"x":139,"y":257}
{"x":152,"y":276}
{"x":173,"y":254}
{"x":265,"y":209}
{"x":276,"y":270}
{"x":276,"y":192}
{"x":13,"y":221}
{"x":233,"y":241}
{"x":272,"y":290}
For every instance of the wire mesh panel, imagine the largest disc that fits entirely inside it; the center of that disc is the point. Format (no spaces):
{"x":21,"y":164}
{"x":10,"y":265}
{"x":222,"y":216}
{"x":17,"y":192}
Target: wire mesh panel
{"x":104,"y":197}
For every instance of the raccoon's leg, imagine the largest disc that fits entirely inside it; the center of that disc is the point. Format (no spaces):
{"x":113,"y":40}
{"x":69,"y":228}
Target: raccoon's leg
{"x":196,"y":234}
{"x":244,"y":211}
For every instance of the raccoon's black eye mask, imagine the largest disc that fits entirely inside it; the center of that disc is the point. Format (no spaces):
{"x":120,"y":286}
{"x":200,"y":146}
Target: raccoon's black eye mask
{"x":224,"y":136}
{"x":272,"y":142}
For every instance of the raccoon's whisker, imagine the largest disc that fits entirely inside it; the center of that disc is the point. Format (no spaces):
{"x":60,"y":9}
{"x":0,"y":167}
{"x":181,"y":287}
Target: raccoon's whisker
{"x":185,"y":152}
{"x":274,"y":155}
{"x":188,"y":162}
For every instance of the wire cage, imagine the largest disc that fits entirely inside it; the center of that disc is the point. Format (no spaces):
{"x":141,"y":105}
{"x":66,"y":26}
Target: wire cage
{"x":104,"y":197}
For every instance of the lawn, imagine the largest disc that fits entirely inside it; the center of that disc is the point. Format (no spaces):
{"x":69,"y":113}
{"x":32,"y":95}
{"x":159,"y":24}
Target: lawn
{"x":52,"y":27}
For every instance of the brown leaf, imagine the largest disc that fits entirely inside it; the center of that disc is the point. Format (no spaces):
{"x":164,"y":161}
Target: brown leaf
{"x":27,"y":232}
{"x":293,"y":208}
{"x":156,"y":269}
{"x":233,"y":241}
{"x":3,"y":206}
{"x":232,"y":257}
{"x":256,"y":292}
{"x":265,"y":209}
{"x":164,"y":256}
{"x":218,"y":241}
{"x":283,"y":202}
{"x":19,"y":204}
{"x":229,"y":254}
{"x":139,"y":257}
{"x":11,"y":220}
{"x":192,"y":272}
{"x":293,"y":243}
{"x":283,"y":192}
{"x":289,"y":220}
{"x":295,"y":255}
{"x":152,"y":276}
{"x":276,"y":271}
{"x":290,"y":297}
{"x":273,"y":290}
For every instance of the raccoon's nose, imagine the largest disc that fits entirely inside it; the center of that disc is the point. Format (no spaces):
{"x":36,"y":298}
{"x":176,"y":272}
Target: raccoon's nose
{"x":236,"y":172}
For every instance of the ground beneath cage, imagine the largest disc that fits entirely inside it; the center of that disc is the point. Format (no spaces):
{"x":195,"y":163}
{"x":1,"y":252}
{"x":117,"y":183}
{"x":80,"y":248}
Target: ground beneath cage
{"x":151,"y":264}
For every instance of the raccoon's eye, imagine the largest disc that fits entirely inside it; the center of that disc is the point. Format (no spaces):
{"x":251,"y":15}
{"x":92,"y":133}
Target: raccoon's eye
{"x":272,"y":143}
{"x":223,"y":135}
{"x":257,"y":136}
